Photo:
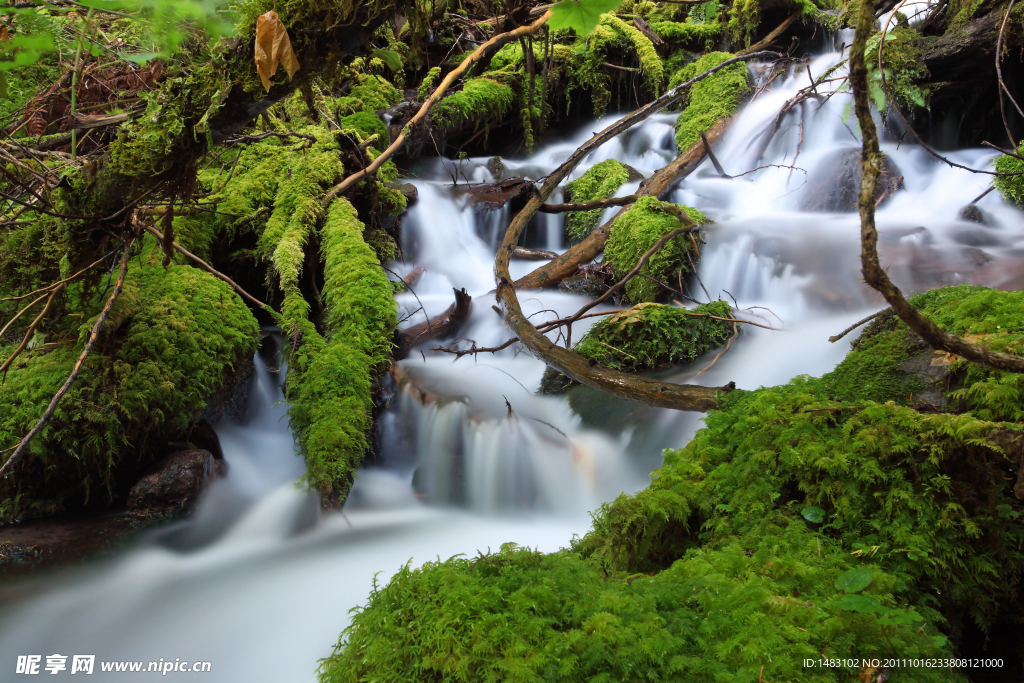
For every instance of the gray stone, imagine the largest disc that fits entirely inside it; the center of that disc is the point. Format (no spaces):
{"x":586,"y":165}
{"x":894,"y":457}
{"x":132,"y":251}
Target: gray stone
{"x":174,"y":486}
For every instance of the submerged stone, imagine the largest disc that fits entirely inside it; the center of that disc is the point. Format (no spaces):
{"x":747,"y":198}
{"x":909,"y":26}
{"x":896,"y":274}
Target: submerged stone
{"x":834,"y":184}
{"x":174,"y":486}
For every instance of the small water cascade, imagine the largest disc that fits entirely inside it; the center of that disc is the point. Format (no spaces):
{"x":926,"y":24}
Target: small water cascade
{"x":259,"y":584}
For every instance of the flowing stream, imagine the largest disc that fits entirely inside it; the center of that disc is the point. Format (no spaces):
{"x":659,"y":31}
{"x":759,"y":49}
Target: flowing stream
{"x":260,"y":584}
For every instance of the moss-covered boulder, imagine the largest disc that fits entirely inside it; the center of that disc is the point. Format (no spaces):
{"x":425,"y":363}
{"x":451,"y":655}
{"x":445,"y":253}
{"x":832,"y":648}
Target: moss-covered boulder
{"x":711,"y":99}
{"x":173,"y":339}
{"x":653,"y":336}
{"x":637,"y":231}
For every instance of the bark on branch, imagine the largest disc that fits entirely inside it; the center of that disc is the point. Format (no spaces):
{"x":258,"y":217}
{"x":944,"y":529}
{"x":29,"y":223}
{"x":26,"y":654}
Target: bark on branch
{"x":874,"y":274}
{"x":586,"y":371}
{"x":441,"y":326}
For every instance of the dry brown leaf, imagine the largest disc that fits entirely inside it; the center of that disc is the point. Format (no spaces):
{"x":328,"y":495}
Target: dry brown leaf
{"x":272,"y":47}
{"x":5,"y":36}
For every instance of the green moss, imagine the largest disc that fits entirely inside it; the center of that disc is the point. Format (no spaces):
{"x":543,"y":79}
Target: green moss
{"x":173,"y":339}
{"x":744,"y":18}
{"x":703,"y":34}
{"x":879,"y":367}
{"x":599,"y":182}
{"x":711,"y":99}
{"x":331,"y":390}
{"x":635,"y":232}
{"x":652,"y":336}
{"x":1011,"y":187}
{"x":482,"y":100}
{"x":365,"y":125}
{"x":650,"y":63}
{"x":905,"y":72}
{"x":428,"y":83}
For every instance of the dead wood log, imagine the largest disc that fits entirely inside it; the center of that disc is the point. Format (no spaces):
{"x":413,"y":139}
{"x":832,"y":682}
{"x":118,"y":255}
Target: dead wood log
{"x":874,"y":274}
{"x":771,"y":37}
{"x":550,"y":274}
{"x":441,"y":326}
{"x":410,"y":279}
{"x":496,"y":195}
{"x":586,"y":371}
{"x":645,"y":29}
{"x":586,"y":206}
{"x":533,"y":254}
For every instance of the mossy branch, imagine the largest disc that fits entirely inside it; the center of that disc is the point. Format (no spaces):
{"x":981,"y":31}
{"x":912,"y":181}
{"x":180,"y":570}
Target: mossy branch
{"x":23,"y":444}
{"x":477,"y":55}
{"x":874,"y":274}
{"x":31,"y":328}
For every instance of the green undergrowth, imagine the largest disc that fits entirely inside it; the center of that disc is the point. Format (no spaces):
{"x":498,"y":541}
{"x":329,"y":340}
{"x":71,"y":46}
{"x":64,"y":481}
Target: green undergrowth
{"x":711,"y":99}
{"x":885,"y":362}
{"x":330,"y":382}
{"x":173,"y":339}
{"x":688,"y":33}
{"x":638,"y":230}
{"x":792,"y":526}
{"x":599,"y":182}
{"x":651,"y":336}
{"x":483,"y":101}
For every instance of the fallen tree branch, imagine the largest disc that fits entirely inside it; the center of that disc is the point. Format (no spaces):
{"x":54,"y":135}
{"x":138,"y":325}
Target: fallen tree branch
{"x":31,"y":328}
{"x":854,"y":326}
{"x":202,"y":264}
{"x":21,"y":312}
{"x":587,"y":206}
{"x":23,"y":445}
{"x":477,"y":54}
{"x":874,"y":274}
{"x":770,"y":38}
{"x":446,"y":323}
{"x":583,"y":370}
{"x":728,"y":345}
{"x":550,"y":274}
{"x":533,"y":254}
{"x":459,"y":353}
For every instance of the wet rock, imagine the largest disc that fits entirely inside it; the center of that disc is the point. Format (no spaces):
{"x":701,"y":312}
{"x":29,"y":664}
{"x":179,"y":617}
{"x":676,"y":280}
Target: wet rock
{"x":232,"y":400}
{"x":977,"y":257}
{"x":554,"y":383}
{"x":972,"y":213}
{"x":590,"y":280}
{"x":977,"y":238}
{"x":834,"y":184}
{"x":496,"y":167}
{"x":174,"y":486}
{"x":408,"y":190}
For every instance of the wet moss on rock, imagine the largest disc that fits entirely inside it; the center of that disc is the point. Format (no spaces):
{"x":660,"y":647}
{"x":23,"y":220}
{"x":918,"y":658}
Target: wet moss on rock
{"x":711,"y":99}
{"x":652,"y":336}
{"x":1011,"y":187}
{"x":638,"y":230}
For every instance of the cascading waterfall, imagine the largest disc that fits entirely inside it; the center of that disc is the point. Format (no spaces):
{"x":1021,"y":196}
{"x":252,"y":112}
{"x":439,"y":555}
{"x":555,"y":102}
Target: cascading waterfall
{"x":259,"y":585}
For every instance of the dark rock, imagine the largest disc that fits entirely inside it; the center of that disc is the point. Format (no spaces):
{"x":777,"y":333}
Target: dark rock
{"x":233,"y":399}
{"x":972,"y":213}
{"x":583,"y":285}
{"x":409,"y":190}
{"x":496,"y":167}
{"x":174,"y":486}
{"x":203,"y":436}
{"x":834,"y":184}
{"x":554,"y":383}
{"x":977,"y":238}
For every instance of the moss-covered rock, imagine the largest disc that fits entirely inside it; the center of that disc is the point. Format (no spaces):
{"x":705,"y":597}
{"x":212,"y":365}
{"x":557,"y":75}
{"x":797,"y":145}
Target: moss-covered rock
{"x":638,"y":230}
{"x":173,"y":339}
{"x":482,"y":101}
{"x":1011,"y":187}
{"x":711,"y":99}
{"x":599,"y":182}
{"x":652,"y":336}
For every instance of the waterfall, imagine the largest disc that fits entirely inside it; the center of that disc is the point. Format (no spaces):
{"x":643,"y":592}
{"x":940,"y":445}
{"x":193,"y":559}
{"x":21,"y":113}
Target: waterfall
{"x":257,"y":583}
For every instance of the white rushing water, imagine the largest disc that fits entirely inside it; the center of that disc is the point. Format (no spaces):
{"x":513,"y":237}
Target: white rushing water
{"x":260,"y":584}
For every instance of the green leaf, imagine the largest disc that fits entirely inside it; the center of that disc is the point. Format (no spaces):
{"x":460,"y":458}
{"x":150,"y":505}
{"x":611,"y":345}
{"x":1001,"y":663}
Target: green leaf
{"x":861,"y":603}
{"x":389,"y":57}
{"x":855,"y":580}
{"x":899,"y":617}
{"x":812,"y":514}
{"x":581,"y":16}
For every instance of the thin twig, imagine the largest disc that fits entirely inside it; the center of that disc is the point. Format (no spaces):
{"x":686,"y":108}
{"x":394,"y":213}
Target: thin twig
{"x":475,"y":349}
{"x":19,"y":314}
{"x":854,"y":326}
{"x":31,"y":328}
{"x":1003,"y":90}
{"x":735,"y":333}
